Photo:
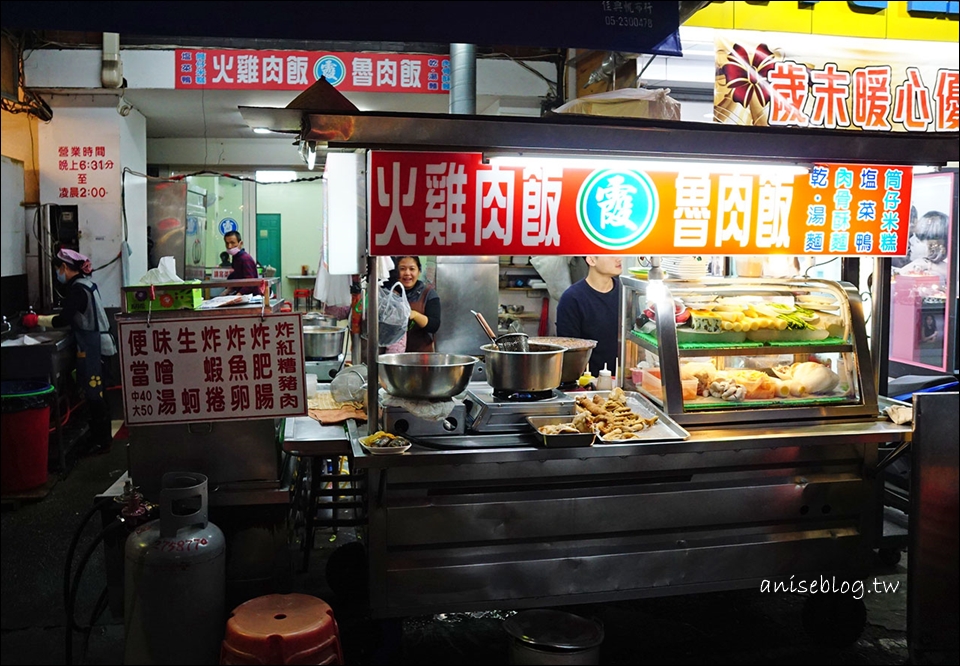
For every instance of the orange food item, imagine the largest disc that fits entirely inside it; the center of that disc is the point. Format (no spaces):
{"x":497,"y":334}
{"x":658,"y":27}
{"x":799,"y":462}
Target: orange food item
{"x":759,"y":385}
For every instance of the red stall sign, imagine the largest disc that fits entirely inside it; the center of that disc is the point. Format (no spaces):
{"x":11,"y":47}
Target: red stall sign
{"x":231,"y":69}
{"x":212,"y":369}
{"x":456,"y":204}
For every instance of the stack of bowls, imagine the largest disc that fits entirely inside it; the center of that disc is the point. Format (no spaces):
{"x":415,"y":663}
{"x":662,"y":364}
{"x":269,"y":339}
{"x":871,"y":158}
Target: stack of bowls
{"x":684,"y":268}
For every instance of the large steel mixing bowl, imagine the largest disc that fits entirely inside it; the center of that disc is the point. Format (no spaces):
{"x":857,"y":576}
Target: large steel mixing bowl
{"x":426,"y":376}
{"x":535,"y":370}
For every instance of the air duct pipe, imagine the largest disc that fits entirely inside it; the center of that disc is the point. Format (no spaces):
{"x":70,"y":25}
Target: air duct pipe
{"x":463,"y":79}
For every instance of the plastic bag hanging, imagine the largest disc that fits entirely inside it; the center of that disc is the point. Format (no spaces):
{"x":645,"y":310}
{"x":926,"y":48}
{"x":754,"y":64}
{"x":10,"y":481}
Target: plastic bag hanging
{"x":393,"y":314}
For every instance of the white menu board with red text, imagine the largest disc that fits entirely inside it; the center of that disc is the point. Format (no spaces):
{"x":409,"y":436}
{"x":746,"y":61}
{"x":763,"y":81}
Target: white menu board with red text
{"x":212,"y":368}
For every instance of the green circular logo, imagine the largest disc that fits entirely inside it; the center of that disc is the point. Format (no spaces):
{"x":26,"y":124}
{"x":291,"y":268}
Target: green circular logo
{"x":617,"y":209}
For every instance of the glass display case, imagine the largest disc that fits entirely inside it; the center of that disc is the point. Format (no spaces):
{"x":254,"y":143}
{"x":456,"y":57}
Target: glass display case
{"x":740,"y":350}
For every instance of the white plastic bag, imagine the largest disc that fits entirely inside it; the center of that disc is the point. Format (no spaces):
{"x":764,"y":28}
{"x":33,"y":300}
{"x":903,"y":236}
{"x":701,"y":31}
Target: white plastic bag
{"x":332,"y":290}
{"x":164,"y":273}
{"x":394,"y":314}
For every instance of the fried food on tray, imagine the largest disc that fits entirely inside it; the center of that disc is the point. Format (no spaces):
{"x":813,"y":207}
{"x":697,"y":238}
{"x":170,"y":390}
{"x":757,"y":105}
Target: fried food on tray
{"x":619,"y":435}
{"x":610,"y":416}
{"x":559,"y":429}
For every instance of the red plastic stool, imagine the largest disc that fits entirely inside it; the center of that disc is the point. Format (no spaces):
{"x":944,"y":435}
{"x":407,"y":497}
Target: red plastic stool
{"x":306,"y":295}
{"x":282,"y":629}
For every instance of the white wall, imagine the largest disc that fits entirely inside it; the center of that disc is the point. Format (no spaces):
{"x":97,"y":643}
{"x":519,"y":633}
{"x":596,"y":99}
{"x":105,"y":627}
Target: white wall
{"x":92,"y":120}
{"x":13,"y":259}
{"x":300,"y":207}
{"x":218,"y":153}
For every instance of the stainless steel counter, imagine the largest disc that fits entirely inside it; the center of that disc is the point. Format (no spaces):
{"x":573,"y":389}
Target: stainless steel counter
{"x":305,"y":436}
{"x":705,"y":438}
{"x":460,"y":530}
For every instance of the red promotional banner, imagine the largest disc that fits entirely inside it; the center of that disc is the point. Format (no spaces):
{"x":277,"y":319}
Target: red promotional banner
{"x":227,"y":69}
{"x":455,"y":204}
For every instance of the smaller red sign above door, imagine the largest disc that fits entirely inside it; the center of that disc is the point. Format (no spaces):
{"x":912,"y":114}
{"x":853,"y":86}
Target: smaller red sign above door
{"x":227,"y":69}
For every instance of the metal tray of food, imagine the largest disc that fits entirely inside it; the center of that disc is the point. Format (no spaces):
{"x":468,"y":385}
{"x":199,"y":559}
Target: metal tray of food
{"x":664,"y":430}
{"x":559,"y":439}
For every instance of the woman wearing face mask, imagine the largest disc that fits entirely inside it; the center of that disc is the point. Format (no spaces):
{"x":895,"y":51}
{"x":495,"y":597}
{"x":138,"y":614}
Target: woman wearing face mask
{"x":424,"y":305}
{"x":83,"y":312}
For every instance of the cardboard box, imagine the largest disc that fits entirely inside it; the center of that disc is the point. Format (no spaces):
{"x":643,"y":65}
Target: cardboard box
{"x":181,"y":298}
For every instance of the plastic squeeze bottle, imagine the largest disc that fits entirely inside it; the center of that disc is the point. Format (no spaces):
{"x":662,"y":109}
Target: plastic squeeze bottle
{"x":605,"y":380}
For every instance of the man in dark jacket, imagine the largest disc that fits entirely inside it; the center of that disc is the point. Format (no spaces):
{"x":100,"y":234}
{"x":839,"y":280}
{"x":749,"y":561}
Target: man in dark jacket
{"x":244,"y":265}
{"x":590,"y":309}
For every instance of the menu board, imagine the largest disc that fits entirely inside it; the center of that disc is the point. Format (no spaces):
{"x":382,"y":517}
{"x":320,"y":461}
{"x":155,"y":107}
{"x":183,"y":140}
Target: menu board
{"x":212,"y":368}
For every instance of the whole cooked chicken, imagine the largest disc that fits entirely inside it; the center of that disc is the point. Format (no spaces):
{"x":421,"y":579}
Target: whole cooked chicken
{"x":812,"y":376}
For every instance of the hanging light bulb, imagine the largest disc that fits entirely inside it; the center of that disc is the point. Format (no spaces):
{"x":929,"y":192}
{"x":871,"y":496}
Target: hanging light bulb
{"x":311,"y":154}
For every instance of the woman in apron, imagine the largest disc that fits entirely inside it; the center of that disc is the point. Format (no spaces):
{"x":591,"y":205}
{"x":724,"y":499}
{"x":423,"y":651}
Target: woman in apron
{"x":424,"y":305}
{"x":83,"y":312}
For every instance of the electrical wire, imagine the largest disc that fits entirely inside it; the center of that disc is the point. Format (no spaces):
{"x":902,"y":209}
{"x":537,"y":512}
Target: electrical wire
{"x":32,"y":103}
{"x":98,"y":608}
{"x":69,"y":591}
{"x":645,"y":65}
{"x":66,"y":417}
{"x":222,"y":174}
{"x":806,"y":273}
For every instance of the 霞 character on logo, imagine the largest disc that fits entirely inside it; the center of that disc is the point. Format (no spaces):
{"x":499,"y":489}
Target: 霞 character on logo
{"x":617,"y":209}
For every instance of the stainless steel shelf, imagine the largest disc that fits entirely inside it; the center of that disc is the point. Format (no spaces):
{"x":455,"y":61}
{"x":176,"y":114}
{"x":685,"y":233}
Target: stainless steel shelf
{"x":765,"y":350}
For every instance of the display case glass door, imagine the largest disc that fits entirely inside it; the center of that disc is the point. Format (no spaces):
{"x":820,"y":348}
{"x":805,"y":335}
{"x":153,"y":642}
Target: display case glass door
{"x":924,"y":283}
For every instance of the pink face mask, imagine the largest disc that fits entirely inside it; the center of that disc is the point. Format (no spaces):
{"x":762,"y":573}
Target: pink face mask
{"x":233,"y":251}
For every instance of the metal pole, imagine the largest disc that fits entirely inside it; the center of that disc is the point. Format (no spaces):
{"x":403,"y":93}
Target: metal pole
{"x":880,"y":323}
{"x":463,"y":79}
{"x":373,"y":347}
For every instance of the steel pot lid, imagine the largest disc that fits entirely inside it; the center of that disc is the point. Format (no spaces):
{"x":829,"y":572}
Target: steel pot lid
{"x":554,"y":629}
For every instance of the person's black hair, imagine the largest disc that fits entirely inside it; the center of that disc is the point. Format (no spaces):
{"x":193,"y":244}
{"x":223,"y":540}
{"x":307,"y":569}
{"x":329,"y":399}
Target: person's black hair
{"x":932,"y":226}
{"x":396,"y":261}
{"x":234,"y":233}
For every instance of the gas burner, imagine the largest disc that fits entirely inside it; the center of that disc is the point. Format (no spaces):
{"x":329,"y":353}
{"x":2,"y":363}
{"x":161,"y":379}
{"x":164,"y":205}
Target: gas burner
{"x":490,"y":411}
{"x":524,"y":396}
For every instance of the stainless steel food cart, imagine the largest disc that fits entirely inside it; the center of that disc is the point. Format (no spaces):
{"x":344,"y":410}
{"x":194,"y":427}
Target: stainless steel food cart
{"x":467,"y":521}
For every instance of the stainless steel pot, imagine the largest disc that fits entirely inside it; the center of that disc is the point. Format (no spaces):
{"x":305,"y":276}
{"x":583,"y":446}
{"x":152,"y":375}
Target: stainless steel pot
{"x":319,"y":319}
{"x":320,"y":342}
{"x":536,"y":370}
{"x":575,"y":358}
{"x":426,"y":376}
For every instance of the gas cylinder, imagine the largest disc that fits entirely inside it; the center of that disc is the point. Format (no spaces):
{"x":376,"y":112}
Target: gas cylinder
{"x":175,"y":580}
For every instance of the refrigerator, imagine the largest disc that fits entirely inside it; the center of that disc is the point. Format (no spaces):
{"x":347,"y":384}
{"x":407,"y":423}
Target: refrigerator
{"x":176,"y":226}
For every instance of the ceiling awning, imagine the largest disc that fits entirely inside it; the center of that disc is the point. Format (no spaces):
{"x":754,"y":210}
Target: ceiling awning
{"x":613,"y":137}
{"x":633,"y":27}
